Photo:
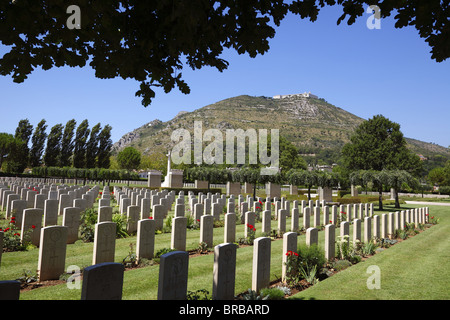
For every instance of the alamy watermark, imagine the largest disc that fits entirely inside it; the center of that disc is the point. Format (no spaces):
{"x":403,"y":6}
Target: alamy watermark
{"x":374,"y":280}
{"x":74,"y":20}
{"x":374,"y":21}
{"x":213,"y":153}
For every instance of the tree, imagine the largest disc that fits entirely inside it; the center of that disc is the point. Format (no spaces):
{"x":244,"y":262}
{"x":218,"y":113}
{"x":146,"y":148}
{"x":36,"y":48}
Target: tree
{"x":53,"y":149}
{"x":104,"y":147}
{"x":23,"y":132}
{"x":38,"y":142}
{"x":67,"y":144}
{"x":289,"y":156}
{"x":6,"y":141}
{"x":437,"y":176}
{"x":15,"y":154}
{"x":378,"y":147}
{"x":129,"y":158}
{"x":148,"y":40}
{"x":79,"y":150}
{"x":303,"y":177}
{"x":92,"y":147}
{"x":376,"y":144}
{"x":396,"y":178}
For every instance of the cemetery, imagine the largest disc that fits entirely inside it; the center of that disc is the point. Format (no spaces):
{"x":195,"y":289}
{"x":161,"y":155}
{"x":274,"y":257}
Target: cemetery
{"x":90,"y":242}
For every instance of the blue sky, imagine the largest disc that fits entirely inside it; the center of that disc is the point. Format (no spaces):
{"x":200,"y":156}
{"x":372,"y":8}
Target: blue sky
{"x":366,"y":72}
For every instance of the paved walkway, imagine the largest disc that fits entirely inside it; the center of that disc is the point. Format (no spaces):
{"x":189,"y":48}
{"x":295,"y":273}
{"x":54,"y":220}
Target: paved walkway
{"x":429,"y":203}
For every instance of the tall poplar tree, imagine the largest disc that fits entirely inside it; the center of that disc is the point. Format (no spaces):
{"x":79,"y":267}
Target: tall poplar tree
{"x":67,"y":144}
{"x":38,"y":142}
{"x":79,"y":152}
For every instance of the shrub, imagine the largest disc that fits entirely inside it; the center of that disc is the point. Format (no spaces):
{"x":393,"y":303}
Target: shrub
{"x":340,"y":265}
{"x":11,"y":238}
{"x":304,"y":264}
{"x":275,"y":293}
{"x":121,"y":225}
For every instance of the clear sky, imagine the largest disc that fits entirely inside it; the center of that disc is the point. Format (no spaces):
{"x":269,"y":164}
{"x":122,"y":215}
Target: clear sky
{"x":366,"y":72}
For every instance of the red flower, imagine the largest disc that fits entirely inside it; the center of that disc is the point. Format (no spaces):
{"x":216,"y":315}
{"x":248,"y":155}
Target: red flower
{"x":33,"y":226}
{"x":17,"y":234}
{"x":342,"y":212}
{"x":151,"y":218}
{"x":198,"y":220}
{"x":331,"y":221}
{"x":260,"y":202}
{"x":258,"y":207}
{"x":6,"y":229}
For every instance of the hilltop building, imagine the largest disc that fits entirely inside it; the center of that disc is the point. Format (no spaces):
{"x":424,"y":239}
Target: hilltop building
{"x":298,"y":95}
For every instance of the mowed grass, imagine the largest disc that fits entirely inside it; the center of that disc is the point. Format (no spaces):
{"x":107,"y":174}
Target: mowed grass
{"x":413,"y":269}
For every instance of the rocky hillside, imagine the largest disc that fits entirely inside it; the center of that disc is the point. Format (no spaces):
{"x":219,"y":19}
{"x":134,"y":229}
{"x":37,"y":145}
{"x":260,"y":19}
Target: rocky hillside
{"x":313,"y":125}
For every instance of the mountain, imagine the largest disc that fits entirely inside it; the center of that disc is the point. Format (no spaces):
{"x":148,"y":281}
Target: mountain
{"x":317,"y":128}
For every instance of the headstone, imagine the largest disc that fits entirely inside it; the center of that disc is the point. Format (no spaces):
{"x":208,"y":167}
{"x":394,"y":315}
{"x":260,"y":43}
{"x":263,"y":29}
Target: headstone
{"x":52,"y":252}
{"x":9,"y":290}
{"x":224,"y":271}
{"x":31,"y":225}
{"x":282,"y":215}
{"x":104,"y":214}
{"x":145,"y":206}
{"x":145,"y":241}
{"x":312,"y":236}
{"x":206,"y":230}
{"x":367,"y":229}
{"x":294,"y":219}
{"x":261,"y":263}
{"x":345,"y":230}
{"x":384,"y":225}
{"x":132,"y":218}
{"x":71,"y":219}
{"x":391,"y":221}
{"x":17,"y":208}
{"x":356,"y":230}
{"x":376,"y":226}
{"x":39,"y":201}
{"x":104,"y":242}
{"x":230,"y":228}
{"x":216,"y":210}
{"x":306,"y":217}
{"x":330,"y":239}
{"x":64,"y":202}
{"x":289,"y":244}
{"x":50,"y":212}
{"x":158,"y":216}
{"x":326,"y":215}
{"x":173,"y":275}
{"x":250,"y":218}
{"x":178,"y":236}
{"x":103,"y":281}
{"x":198,"y":212}
{"x":9,"y":199}
{"x":266,"y":221}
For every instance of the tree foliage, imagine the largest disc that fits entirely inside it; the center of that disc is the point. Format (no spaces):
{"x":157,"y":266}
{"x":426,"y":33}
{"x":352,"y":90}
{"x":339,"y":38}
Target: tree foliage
{"x":38,"y":143}
{"x":79,"y":151}
{"x":151,"y":41}
{"x":53,"y":149}
{"x":67,"y":144}
{"x":129,"y":158}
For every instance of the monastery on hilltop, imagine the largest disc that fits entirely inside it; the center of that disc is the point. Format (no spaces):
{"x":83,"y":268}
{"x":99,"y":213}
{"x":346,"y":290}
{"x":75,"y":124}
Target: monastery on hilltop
{"x":298,"y":95}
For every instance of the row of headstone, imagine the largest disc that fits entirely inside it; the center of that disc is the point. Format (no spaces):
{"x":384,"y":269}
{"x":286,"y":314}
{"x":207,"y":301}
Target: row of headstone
{"x":173,"y":274}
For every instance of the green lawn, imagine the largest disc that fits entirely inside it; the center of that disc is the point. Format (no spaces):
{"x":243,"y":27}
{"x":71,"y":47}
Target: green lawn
{"x":414,"y":269}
